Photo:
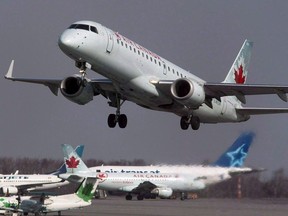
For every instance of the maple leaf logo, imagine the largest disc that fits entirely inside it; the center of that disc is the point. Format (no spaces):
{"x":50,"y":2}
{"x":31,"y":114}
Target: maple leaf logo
{"x":239,"y":75}
{"x":102,"y":176}
{"x":72,"y":162}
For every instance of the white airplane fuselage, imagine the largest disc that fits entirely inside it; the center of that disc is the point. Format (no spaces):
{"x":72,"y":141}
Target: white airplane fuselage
{"x":12,"y":183}
{"x":178,"y":178}
{"x":53,"y":203}
{"x":134,"y":69}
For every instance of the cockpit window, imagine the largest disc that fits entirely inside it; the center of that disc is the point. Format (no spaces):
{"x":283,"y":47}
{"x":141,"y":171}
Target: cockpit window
{"x":84,"y":27}
{"x":93,"y":29}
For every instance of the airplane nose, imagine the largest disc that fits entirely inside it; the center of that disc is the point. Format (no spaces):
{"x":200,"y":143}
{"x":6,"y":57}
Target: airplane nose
{"x":66,"y":41}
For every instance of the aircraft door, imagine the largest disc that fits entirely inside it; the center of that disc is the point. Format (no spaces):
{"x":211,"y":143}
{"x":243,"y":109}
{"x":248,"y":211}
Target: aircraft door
{"x":110,"y":42}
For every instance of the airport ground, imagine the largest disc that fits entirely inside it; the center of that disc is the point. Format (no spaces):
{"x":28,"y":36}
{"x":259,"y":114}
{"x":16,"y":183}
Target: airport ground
{"x":200,"y":207}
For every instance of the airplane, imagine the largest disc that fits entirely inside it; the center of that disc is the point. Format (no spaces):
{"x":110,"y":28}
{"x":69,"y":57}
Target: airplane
{"x":134,"y":73}
{"x":22,"y":183}
{"x":163,"y":181}
{"x":46,"y":204}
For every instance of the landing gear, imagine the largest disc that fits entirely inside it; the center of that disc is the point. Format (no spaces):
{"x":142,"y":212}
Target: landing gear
{"x":113,"y":119}
{"x":128,"y":197}
{"x":186,"y":121}
{"x":195,"y":122}
{"x":140,"y":197}
{"x":82,"y":67}
{"x":183,"y":196}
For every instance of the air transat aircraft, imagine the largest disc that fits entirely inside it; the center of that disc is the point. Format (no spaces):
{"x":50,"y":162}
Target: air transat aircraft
{"x":46,"y":204}
{"x":136,"y":74}
{"x":150,"y":181}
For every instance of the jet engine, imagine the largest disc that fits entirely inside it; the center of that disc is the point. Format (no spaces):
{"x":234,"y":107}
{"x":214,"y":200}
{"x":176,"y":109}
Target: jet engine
{"x":163,"y":192}
{"x":188,"y":92}
{"x":9,"y":190}
{"x":77,"y":89}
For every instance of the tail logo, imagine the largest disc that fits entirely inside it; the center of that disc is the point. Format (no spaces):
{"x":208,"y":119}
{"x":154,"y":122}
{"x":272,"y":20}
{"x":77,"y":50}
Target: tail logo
{"x":239,"y":75}
{"x":72,"y":162}
{"x":237,"y":157}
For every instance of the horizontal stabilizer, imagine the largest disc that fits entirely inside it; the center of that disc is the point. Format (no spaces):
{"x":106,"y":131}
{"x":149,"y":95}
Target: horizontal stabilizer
{"x":260,"y":111}
{"x":245,"y":171}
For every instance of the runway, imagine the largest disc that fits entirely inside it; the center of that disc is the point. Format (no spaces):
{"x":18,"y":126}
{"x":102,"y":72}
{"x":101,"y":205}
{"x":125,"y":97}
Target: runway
{"x":216,"y":207}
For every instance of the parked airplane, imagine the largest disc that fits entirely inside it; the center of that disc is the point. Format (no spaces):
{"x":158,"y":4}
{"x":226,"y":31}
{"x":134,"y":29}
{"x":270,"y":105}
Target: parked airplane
{"x":136,"y":74}
{"x":149,"y":181}
{"x":16,"y":183}
{"x":46,"y":204}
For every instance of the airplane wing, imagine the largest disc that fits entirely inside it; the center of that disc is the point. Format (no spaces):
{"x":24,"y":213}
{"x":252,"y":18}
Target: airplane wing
{"x":260,"y":111}
{"x":217,"y":90}
{"x":16,"y":210}
{"x":145,"y":187}
{"x":100,"y":85}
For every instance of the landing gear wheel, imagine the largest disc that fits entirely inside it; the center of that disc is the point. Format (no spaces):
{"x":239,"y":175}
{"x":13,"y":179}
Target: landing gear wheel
{"x":183,"y":196}
{"x":128,"y":197}
{"x":122,"y":121}
{"x":112,"y":120}
{"x":184,"y":123}
{"x":195,"y":122}
{"x":140,"y":197}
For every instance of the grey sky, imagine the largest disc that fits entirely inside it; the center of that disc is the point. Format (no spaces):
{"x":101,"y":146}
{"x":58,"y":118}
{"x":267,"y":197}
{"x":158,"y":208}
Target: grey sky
{"x":203,"y":37}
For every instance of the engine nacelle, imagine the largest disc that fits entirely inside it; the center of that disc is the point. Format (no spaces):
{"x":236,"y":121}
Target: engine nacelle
{"x":163,"y":192}
{"x":9,"y":190}
{"x":188,"y":92}
{"x":77,"y":89}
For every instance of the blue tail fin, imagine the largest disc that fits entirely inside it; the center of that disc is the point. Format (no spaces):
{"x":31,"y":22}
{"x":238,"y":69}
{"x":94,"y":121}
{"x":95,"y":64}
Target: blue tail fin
{"x":236,"y":154}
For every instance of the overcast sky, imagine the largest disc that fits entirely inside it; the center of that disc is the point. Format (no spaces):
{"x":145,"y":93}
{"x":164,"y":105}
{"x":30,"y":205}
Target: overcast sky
{"x":201,"y":36}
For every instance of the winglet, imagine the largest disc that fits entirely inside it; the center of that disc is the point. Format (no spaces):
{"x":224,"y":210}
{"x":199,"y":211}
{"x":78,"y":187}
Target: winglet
{"x":10,"y":71}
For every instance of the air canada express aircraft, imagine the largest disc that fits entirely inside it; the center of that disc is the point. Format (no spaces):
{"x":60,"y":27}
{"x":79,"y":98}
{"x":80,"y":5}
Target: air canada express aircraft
{"x":136,"y":74}
{"x":162,"y":181}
